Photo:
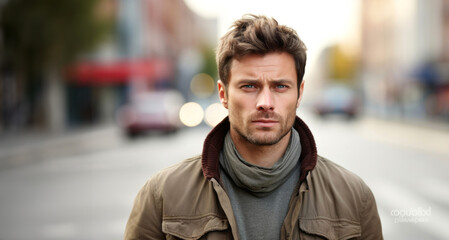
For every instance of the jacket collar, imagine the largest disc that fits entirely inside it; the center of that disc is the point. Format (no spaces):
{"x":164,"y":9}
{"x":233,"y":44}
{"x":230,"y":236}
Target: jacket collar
{"x":214,"y":143}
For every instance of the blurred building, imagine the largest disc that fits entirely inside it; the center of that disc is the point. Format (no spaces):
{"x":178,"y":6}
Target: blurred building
{"x":154,"y":45}
{"x":159,"y":45}
{"x":405,"y":58}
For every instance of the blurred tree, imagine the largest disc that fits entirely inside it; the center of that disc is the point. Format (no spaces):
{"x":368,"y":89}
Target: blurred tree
{"x":342,"y":65}
{"x":40,"y":37}
{"x":209,"y":66}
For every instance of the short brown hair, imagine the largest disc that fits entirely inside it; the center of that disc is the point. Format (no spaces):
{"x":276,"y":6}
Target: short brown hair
{"x":254,"y":34}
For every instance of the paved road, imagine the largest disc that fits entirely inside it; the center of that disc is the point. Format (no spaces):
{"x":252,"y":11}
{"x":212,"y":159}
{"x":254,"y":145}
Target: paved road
{"x":88,"y":194}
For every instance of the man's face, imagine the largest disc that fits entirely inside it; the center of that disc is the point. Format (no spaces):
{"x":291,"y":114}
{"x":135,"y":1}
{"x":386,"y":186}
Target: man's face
{"x":262,"y":97}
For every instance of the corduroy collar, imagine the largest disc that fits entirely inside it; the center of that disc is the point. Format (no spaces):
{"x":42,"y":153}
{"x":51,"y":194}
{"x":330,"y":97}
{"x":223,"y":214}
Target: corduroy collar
{"x":214,"y":143}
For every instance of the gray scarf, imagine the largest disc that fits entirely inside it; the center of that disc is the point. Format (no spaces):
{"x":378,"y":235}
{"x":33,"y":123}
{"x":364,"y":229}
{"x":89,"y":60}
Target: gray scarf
{"x":259,"y":179}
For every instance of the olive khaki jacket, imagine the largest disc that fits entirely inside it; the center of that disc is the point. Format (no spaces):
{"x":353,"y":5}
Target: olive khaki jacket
{"x":188,"y":201}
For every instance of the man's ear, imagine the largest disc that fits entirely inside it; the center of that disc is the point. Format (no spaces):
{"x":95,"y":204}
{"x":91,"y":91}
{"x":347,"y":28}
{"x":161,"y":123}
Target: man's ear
{"x":301,"y":90}
{"x":222,"y":93}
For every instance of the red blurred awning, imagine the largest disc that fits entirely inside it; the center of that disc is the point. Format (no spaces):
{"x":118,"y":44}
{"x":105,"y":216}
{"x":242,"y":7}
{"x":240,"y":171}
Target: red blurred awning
{"x":119,"y":72}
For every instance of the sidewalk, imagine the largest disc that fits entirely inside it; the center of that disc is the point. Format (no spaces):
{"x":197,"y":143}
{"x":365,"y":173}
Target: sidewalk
{"x":22,"y":148}
{"x":424,"y":135}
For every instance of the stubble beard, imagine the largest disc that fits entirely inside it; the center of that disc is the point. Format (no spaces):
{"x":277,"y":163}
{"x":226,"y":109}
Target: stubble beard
{"x":264,"y":139}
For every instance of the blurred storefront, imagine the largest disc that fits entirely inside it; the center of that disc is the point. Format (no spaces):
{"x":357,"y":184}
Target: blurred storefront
{"x":153,"y":38}
{"x":405,"y":58}
{"x":95,"y":89}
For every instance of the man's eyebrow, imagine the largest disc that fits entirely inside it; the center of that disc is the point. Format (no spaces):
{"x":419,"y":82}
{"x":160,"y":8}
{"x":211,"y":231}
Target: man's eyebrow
{"x":281,"y":81}
{"x":247,"y":81}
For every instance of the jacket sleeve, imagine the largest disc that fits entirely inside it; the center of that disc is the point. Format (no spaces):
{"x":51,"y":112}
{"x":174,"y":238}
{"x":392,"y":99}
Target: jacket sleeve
{"x":370,"y":221}
{"x":145,"y":221}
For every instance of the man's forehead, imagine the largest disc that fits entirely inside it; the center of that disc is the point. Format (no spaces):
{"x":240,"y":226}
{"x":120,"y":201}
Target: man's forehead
{"x":274,"y":65}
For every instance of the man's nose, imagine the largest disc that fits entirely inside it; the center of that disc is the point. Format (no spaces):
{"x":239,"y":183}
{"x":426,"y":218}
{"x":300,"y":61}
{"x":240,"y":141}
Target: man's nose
{"x":265,"y":101}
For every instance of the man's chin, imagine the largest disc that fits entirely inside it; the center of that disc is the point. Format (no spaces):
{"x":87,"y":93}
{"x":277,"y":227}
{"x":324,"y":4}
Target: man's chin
{"x":261,"y":137}
{"x":264,"y":140}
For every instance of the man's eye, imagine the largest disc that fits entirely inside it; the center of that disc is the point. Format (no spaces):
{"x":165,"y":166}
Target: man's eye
{"x":248,"y":86}
{"x":282,"y":86}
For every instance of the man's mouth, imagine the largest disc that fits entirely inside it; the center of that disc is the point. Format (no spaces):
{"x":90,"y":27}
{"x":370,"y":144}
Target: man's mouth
{"x":266,"y":123}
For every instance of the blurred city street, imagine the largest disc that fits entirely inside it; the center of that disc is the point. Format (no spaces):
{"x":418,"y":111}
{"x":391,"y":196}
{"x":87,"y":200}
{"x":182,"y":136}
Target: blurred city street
{"x":76,"y":192}
{"x":96,"y":96}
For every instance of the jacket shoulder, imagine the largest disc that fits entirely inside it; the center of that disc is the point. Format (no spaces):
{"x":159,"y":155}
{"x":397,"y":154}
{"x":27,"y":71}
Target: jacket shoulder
{"x":182,"y":187}
{"x":339,"y":195}
{"x":337,"y":204}
{"x":334,"y":188}
{"x":177,"y":177}
{"x":173,"y":178}
{"x":188,"y":202}
{"x":175,"y":201}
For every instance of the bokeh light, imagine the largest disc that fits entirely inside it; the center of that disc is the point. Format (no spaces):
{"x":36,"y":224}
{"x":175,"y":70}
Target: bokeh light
{"x":214,"y":114}
{"x":202,"y":85}
{"x":191,"y":114}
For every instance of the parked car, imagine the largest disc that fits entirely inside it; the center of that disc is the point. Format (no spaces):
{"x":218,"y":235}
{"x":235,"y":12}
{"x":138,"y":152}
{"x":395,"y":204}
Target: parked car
{"x":338,"y":99}
{"x":157,"y":110}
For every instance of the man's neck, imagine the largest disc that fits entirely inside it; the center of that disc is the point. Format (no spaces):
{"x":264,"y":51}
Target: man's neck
{"x":260,"y":155}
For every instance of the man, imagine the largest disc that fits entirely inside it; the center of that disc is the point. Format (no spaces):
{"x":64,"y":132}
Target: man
{"x":259,"y":176}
